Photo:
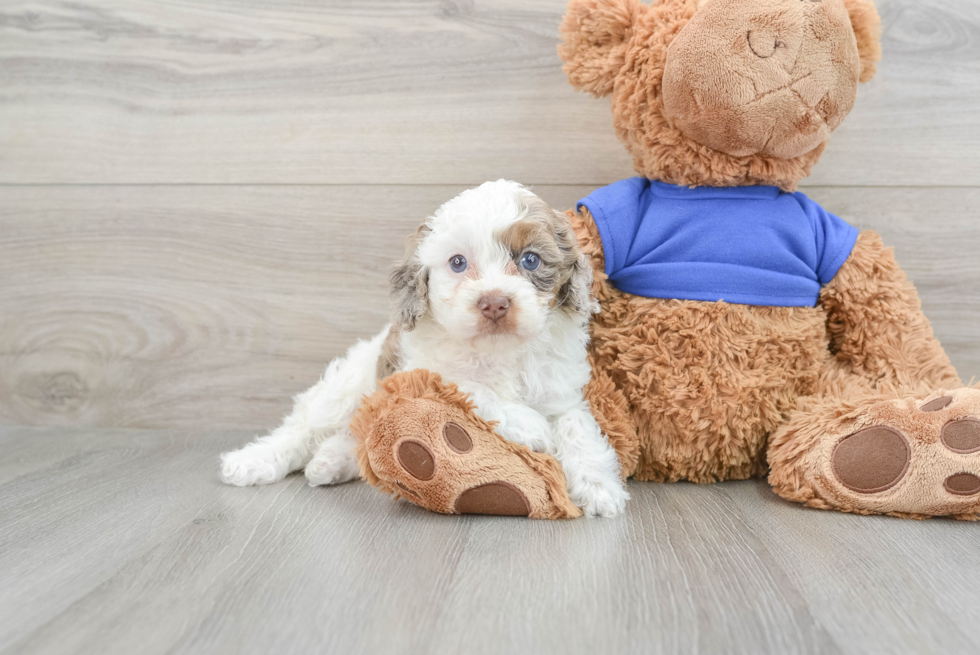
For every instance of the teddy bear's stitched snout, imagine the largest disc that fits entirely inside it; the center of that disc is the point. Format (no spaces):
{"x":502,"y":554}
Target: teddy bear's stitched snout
{"x":760,"y":93}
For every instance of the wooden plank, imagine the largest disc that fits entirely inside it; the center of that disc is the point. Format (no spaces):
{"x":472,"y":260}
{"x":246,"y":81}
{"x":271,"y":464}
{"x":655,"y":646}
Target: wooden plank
{"x":910,"y":587}
{"x":123,"y":541}
{"x":211,"y":306}
{"x":413,"y":92}
{"x":298,"y":92}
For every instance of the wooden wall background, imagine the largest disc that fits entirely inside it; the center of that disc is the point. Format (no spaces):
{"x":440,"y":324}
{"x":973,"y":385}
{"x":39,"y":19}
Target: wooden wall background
{"x":199,"y":200}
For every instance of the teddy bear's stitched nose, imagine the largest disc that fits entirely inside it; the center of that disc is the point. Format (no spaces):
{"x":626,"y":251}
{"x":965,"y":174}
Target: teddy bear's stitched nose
{"x":494,"y":307}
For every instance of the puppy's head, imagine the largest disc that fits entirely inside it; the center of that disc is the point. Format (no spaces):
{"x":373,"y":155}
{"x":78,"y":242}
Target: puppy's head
{"x":494,"y":263}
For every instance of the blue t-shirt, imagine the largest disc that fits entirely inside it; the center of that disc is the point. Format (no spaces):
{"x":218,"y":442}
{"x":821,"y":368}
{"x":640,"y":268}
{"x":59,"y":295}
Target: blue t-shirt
{"x":753,"y":245}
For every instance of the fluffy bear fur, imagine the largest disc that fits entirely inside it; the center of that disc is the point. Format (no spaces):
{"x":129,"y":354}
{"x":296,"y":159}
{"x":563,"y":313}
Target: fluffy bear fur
{"x":720,"y":391}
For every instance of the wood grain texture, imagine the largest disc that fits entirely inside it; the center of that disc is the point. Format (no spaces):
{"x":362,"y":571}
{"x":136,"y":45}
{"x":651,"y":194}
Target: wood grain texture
{"x":123,"y":541}
{"x":410,"y":92}
{"x":927,"y":613}
{"x":211,"y":306}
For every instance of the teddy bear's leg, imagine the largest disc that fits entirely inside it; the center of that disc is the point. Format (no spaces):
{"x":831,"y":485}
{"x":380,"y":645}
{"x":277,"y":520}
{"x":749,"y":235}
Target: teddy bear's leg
{"x":878,"y":437}
{"x":884,"y":452}
{"x":419,"y":438}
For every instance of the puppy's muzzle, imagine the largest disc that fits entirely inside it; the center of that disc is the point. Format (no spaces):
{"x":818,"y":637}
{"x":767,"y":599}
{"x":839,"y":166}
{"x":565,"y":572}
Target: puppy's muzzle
{"x":494,"y":306}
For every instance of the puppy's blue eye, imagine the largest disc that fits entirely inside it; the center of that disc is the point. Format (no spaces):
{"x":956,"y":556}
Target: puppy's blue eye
{"x":530,"y":261}
{"x":457,"y":263}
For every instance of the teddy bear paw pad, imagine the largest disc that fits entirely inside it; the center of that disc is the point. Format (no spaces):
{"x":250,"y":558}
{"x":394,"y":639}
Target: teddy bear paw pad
{"x":499,"y":498}
{"x":962,"y":484}
{"x":457,"y":438}
{"x":871,"y":460}
{"x":962,"y":436}
{"x":416,"y":459}
{"x":937,"y":404}
{"x":917,"y":457}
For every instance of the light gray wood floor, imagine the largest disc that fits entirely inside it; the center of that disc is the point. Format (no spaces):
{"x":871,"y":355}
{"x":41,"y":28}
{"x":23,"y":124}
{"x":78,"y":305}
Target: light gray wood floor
{"x":124,"y":541}
{"x":199,"y":200}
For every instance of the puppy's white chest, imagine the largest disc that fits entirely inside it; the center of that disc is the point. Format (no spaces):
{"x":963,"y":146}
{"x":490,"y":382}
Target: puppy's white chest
{"x":506,"y":379}
{"x":530,"y":374}
{"x":521,"y":379}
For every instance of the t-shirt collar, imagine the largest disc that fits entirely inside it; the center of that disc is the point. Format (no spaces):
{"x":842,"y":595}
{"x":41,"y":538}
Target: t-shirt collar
{"x":664,"y":190}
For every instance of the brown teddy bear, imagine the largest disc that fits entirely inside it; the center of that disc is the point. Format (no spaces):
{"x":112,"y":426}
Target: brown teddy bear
{"x":744,"y":330}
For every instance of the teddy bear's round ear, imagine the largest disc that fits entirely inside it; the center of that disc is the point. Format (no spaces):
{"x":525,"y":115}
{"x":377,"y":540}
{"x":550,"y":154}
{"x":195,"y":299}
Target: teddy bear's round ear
{"x":595,"y":35}
{"x":867,"y":29}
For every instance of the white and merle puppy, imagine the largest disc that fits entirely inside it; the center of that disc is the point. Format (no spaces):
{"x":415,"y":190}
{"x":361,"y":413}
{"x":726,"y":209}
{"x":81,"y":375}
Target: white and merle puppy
{"x":494,"y":295}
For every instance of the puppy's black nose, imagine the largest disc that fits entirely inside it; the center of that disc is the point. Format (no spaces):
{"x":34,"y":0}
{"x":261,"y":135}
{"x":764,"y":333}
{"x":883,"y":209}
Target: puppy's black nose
{"x":493,"y":307}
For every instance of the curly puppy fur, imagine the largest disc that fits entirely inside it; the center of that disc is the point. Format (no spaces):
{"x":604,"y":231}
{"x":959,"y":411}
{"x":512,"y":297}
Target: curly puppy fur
{"x":493,"y":295}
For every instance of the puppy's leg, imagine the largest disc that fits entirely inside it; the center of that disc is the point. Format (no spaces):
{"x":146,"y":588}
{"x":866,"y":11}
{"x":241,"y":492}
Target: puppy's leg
{"x":321,"y":413}
{"x":334,"y":461}
{"x":592,"y":469}
{"x":515,"y":422}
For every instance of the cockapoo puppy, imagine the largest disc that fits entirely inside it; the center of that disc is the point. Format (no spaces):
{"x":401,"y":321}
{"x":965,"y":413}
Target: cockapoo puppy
{"x":494,"y":295}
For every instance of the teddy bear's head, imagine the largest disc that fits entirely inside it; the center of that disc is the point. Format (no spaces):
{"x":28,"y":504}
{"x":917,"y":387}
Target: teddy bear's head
{"x":723,"y":92}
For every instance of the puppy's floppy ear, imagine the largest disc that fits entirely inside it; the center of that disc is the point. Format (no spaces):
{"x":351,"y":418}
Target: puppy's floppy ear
{"x":867,"y":30}
{"x":595,"y":35}
{"x":575,"y":292}
{"x":409,"y":285}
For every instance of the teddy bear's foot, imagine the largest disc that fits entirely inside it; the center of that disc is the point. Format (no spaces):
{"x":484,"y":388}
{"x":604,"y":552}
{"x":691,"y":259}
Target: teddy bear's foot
{"x":913,"y":457}
{"x":420,"y":439}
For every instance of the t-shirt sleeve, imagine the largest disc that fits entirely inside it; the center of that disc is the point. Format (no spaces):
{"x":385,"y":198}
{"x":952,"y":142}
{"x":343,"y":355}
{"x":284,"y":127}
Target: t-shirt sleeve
{"x":835,"y":239}
{"x":616,"y":211}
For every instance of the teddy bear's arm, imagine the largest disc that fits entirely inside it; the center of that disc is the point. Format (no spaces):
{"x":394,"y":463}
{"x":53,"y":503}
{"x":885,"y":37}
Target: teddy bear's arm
{"x":589,"y":241}
{"x":875,"y":320}
{"x":608,"y":402}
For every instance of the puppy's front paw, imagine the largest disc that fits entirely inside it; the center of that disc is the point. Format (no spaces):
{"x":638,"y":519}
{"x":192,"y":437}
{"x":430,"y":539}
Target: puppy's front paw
{"x":246,"y":467}
{"x":599,"y":496}
{"x":527,"y":427}
{"x":331,"y":468}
